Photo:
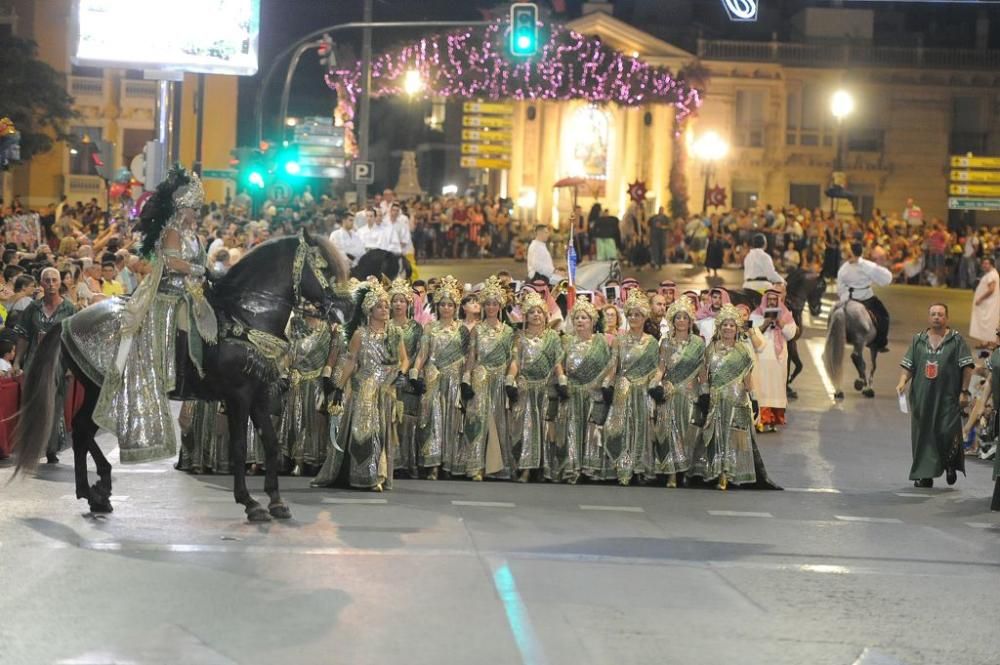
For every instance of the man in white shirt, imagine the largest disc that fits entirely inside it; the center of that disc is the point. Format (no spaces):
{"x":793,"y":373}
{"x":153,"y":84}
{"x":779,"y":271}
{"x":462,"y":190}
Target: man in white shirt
{"x":854,"y":282}
{"x":401,"y":226}
{"x":349,"y":241}
{"x":758,"y":266}
{"x":540,"y":264}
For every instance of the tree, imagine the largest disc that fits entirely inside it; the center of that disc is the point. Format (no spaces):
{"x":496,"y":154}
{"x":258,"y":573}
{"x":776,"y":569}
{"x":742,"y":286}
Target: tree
{"x":34,"y":96}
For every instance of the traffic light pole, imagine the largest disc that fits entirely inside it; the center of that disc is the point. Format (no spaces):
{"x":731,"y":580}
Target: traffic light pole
{"x":364,"y":113}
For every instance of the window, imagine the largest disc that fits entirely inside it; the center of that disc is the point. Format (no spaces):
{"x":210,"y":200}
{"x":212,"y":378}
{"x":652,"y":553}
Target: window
{"x":745,"y":194}
{"x":864,"y":203}
{"x":804,"y":195}
{"x":968,"y":126}
{"x":749,"y":129}
{"x":82,"y":163}
{"x":585,"y":152}
{"x":134,"y":142}
{"x":808,"y":121}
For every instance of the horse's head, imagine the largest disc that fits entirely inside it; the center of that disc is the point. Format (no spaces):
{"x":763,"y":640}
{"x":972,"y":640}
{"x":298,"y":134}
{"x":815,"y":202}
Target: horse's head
{"x":814,"y":296}
{"x":316,"y":269}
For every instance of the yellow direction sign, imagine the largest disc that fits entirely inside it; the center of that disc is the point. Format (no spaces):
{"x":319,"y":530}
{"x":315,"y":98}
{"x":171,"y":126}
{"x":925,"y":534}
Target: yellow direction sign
{"x":975,"y":176}
{"x":485,"y":149}
{"x":484,"y":163}
{"x":494,"y":135}
{"x":487,"y":121}
{"x":958,"y":162}
{"x":974,"y":190}
{"x":486,"y":107}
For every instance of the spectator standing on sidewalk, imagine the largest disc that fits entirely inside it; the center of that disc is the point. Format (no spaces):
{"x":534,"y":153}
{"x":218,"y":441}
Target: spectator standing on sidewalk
{"x":607,"y":236}
{"x":986,"y":306}
{"x":659,"y":224}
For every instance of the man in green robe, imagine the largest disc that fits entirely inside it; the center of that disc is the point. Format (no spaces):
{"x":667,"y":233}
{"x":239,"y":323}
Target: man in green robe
{"x":938,"y":366}
{"x":993,"y":365}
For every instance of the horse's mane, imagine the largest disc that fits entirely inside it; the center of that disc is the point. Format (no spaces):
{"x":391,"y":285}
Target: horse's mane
{"x":261,"y":260}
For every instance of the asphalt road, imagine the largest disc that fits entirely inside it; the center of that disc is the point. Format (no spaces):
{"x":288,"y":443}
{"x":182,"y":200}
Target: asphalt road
{"x":850,"y":565}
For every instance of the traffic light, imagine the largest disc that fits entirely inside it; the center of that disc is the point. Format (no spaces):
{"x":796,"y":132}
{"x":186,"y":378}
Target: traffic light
{"x":327,"y":58}
{"x":288,"y":160}
{"x":252,"y":168}
{"x":523,"y":29}
{"x":103,"y":157}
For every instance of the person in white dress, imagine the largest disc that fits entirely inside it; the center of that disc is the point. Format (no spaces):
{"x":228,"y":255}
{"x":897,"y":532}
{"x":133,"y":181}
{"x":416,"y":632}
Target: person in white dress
{"x":775,"y":324}
{"x":986,"y":306}
{"x":758,"y":266}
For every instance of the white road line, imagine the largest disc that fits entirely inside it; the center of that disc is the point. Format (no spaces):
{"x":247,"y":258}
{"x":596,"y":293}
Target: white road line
{"x":983,"y":525}
{"x":343,"y":501}
{"x":114,"y":497}
{"x":913,"y":495}
{"x":127,"y":470}
{"x":815,"y":348}
{"x":620,"y":509}
{"x":871,"y":520}
{"x":737,"y":513}
{"x":814,"y":490}
{"x":485,"y":504}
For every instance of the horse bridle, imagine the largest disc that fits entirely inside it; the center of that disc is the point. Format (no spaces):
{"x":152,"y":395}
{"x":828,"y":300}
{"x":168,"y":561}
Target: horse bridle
{"x":309,"y":256}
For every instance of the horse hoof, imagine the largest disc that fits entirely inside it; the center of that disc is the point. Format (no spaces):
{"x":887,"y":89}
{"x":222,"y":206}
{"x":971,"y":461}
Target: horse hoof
{"x":101,"y":507}
{"x":258,"y":514}
{"x":858,"y":384}
{"x":838,"y":395}
{"x":868,"y":392}
{"x":279,"y":511}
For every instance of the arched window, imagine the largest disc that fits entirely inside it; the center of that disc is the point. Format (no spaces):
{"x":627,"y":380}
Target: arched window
{"x":588,"y":139}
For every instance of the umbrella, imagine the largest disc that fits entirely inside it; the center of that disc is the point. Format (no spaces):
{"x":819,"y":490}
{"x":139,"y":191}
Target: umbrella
{"x":573,"y":181}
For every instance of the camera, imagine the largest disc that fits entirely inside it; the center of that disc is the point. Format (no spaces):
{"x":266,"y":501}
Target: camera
{"x":772,"y":313}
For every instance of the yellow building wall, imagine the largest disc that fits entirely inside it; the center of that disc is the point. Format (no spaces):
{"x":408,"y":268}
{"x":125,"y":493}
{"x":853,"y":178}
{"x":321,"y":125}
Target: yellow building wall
{"x":218,"y":132}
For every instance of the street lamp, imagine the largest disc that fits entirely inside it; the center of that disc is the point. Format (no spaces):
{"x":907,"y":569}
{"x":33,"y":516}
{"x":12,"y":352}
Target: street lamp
{"x":709,"y":148}
{"x":841,"y":105}
{"x":412,"y":82}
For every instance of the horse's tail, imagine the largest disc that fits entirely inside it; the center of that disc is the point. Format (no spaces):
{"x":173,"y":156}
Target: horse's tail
{"x":38,"y":402}
{"x":836,"y":341}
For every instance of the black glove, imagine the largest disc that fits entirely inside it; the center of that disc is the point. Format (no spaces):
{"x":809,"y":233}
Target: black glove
{"x":467,"y":392}
{"x":658,"y":394}
{"x":337,"y":396}
{"x":419,"y":386}
{"x":608,"y":393}
{"x":329,"y":385}
{"x":562,"y":392}
{"x":756,"y":409}
{"x":399,"y":381}
{"x":704,"y":401}
{"x":511,"y":393}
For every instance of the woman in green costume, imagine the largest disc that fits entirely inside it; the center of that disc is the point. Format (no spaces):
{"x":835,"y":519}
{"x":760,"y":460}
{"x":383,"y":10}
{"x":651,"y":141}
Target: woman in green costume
{"x":443,"y":354}
{"x":302,"y":427}
{"x":538,"y":359}
{"x":401,"y":304}
{"x":204,"y":439}
{"x":577,"y":448}
{"x":724,"y":451}
{"x":682,"y":354}
{"x":490,"y":357}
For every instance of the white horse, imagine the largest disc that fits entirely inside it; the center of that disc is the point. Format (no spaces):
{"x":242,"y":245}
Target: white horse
{"x":850,"y":323}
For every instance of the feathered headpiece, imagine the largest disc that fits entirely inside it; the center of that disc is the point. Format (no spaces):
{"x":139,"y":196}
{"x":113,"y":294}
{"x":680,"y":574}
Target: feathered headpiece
{"x":448,"y":289}
{"x":585,"y":306}
{"x":637,"y":300}
{"x":364,"y":295}
{"x":493,"y":290}
{"x":178,"y":190}
{"x":372,"y":295}
{"x":729,"y":312}
{"x":530,"y":300}
{"x":683,"y":305}
{"x":401,"y":287}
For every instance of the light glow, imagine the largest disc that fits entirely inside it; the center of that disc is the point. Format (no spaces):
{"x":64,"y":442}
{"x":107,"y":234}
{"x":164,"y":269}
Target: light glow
{"x":449,"y":190}
{"x":413,"y":83}
{"x":710,"y":147}
{"x":841,"y":104}
{"x":527,"y":199}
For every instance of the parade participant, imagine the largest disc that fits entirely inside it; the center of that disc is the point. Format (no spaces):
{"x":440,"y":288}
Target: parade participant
{"x":400,"y":224}
{"x":133,"y":402}
{"x":668,"y":289}
{"x":612,"y":322}
{"x":707,"y":312}
{"x":657,"y":324}
{"x":937,"y":368}
{"x":682,"y":354}
{"x":34,"y":321}
{"x":401,"y":302}
{"x":993,"y":365}
{"x":758,"y":266}
{"x":370,"y":369}
{"x":444,"y":348}
{"x":854,"y":282}
{"x":302,"y":427}
{"x":724,"y":449}
{"x":577,"y":447}
{"x":775,"y":324}
{"x":986,"y":306}
{"x":349,"y":240}
{"x":204,"y":439}
{"x":491,"y":352}
{"x":539,"y":260}
{"x":472,"y":311}
{"x":537,"y":358}
{"x":628,"y":433}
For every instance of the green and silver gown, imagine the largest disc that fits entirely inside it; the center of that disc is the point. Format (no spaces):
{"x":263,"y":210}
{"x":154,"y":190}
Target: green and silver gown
{"x":578,"y":447}
{"x":628,"y":433}
{"x":536,"y":358}
{"x":302,"y":427}
{"x":486,"y":432}
{"x":441,"y":437}
{"x":675,"y":435}
{"x":409,"y":427}
{"x":205,"y":441}
{"x":993,"y":364}
{"x":367,"y":436}
{"x":725,"y":444}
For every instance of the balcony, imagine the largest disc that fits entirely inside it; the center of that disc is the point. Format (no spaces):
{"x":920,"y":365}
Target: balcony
{"x":138,"y":95}
{"x":825,"y":55}
{"x":84,"y":187}
{"x":87,"y":91}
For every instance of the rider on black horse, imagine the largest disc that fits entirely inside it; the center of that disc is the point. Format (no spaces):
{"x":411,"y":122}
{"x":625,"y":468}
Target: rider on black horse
{"x":854,"y":282}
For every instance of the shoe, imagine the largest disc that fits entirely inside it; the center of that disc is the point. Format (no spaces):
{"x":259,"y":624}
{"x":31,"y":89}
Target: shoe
{"x":884,"y":349}
{"x":791,"y":394}
{"x":51,"y":458}
{"x":723,"y":483}
{"x":951,"y":476}
{"x":924,"y":483}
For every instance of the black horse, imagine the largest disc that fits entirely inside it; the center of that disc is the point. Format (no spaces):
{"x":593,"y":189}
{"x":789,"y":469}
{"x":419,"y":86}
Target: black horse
{"x":801,"y":288}
{"x":252,"y":302}
{"x":380,"y":263}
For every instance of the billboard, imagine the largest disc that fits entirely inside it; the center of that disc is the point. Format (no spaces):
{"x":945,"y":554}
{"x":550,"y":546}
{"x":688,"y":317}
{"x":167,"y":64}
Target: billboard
{"x":208,"y":36}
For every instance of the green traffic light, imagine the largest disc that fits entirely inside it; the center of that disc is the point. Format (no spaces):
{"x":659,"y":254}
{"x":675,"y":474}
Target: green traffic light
{"x":524,"y":43}
{"x":293,"y":168}
{"x":256,"y":179}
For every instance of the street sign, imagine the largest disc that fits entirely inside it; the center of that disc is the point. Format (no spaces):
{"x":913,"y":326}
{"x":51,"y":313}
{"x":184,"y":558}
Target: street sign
{"x":280,"y":193}
{"x":955,"y":203}
{"x":975,"y":176}
{"x":494,"y":135}
{"x":363,"y":173}
{"x":218,"y":174}
{"x":958,"y":162}
{"x":974,"y":190}
{"x":484,"y":163}
{"x":487,"y":121}
{"x":485,"y":149}
{"x":487,"y":107}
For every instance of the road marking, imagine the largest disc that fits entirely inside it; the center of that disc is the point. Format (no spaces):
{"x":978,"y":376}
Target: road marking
{"x":344,"y":501}
{"x":814,"y":490}
{"x":871,"y":520}
{"x":620,"y":509}
{"x":824,"y":568}
{"x":873,"y":657}
{"x":485,"y":504}
{"x":517,"y":616}
{"x":815,"y":348}
{"x":737,"y":513}
{"x":114,"y":497}
{"x":913,"y":495}
{"x":127,"y":470}
{"x":983,"y":525}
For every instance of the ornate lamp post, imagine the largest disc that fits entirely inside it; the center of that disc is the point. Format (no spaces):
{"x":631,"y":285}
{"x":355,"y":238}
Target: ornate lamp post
{"x":709,"y":148}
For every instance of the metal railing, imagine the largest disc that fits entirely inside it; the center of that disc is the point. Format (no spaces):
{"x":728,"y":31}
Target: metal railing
{"x":89,"y":185}
{"x":139,"y":90}
{"x":845,"y":55}
{"x":86,"y":86}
